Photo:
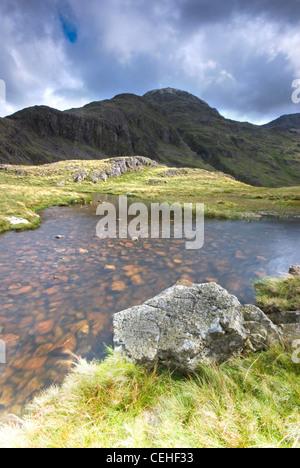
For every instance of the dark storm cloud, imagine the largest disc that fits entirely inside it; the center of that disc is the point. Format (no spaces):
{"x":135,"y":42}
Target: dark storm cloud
{"x":208,"y":11}
{"x":241,"y":56}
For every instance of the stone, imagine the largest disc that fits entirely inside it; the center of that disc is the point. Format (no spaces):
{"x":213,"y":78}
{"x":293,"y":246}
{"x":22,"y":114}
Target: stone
{"x":114,"y":171}
{"x":43,"y":328}
{"x":183,"y":282}
{"x":156,"y":182}
{"x":295,"y":270}
{"x":118,"y":286}
{"x":263,"y":332}
{"x":10,"y":339}
{"x":186,"y":326}
{"x":172,"y":173}
{"x":13,"y":220}
{"x":291,"y":332}
{"x":80,"y":176}
{"x":121,"y":163}
{"x":131,"y":162}
{"x":284,"y":317}
{"x":34,"y":363}
{"x":23,"y":290}
{"x":119,"y":166}
{"x":137,"y":280}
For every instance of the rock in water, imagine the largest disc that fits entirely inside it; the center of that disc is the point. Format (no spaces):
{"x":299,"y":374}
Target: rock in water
{"x":186,"y":326}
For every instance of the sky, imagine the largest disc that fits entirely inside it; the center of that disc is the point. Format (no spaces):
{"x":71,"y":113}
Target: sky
{"x":241,"y":57}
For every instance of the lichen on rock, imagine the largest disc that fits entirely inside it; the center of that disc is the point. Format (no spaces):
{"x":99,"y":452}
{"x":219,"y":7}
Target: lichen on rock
{"x":186,"y":326}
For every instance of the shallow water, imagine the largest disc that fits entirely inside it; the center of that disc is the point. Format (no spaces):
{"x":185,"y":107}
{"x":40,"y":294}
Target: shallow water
{"x":59,"y":295}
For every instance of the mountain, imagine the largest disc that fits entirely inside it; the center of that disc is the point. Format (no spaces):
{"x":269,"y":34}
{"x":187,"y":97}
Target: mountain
{"x":169,"y":125}
{"x":251,"y":153}
{"x":291,"y":121}
{"x":124,"y":125}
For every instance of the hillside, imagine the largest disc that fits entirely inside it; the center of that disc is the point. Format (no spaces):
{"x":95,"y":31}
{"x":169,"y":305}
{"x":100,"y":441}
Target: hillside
{"x":291,"y":121}
{"x":125,"y":125}
{"x":251,"y":153}
{"x":171,"y":126}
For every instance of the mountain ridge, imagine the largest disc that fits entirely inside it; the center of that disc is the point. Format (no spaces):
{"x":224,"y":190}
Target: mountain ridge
{"x":169,"y":125}
{"x":290,"y":121}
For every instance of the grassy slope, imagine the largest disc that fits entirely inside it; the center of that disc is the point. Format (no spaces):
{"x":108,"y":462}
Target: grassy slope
{"x":246,"y":402}
{"x":23,"y":195}
{"x":270,"y":159}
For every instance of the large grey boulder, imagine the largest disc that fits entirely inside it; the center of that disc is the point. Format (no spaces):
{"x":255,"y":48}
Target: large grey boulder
{"x":185,"y":326}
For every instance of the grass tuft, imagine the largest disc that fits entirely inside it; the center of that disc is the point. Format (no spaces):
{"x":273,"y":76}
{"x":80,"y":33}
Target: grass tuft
{"x":278,"y":294}
{"x":246,"y":402}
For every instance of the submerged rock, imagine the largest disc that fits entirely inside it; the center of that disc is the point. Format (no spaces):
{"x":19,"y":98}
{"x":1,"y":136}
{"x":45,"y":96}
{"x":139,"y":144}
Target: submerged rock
{"x":186,"y":326}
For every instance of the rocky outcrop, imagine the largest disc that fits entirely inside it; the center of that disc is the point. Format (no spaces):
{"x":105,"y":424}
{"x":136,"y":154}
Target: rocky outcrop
{"x":186,"y":326}
{"x":118,"y":167}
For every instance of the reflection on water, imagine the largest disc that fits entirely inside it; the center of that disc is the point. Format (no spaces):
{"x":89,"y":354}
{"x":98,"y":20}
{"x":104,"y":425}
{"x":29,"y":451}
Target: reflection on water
{"x":59,"y":295}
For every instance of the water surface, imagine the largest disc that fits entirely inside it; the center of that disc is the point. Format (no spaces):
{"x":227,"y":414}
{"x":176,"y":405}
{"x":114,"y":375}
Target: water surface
{"x":59,"y":295}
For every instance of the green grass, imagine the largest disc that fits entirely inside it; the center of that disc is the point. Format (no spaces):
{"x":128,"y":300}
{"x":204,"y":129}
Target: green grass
{"x":24,"y":195}
{"x":246,"y":402}
{"x":275,"y":294}
{"x":25,"y":198}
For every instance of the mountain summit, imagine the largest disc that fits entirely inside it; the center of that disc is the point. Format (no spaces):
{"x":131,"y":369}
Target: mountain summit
{"x":169,"y":125}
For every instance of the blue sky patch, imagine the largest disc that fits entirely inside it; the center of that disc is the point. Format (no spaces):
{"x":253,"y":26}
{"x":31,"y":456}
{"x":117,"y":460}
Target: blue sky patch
{"x":69,"y":30}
